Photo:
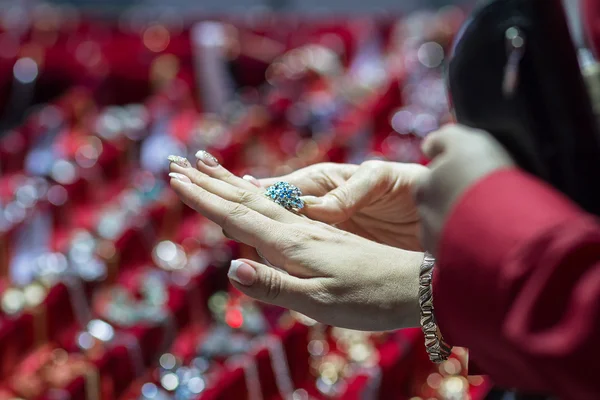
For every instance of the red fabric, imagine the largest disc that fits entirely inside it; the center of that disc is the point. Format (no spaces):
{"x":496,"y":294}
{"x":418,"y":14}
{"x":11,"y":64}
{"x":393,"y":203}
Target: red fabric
{"x":518,"y":283}
{"x":590,"y":11}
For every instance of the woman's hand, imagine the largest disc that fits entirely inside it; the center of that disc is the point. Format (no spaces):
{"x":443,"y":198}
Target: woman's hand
{"x":460,"y":157}
{"x":373,"y":200}
{"x":333,"y":276}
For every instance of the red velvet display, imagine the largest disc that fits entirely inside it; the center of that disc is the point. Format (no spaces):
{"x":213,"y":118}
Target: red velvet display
{"x":89,"y":65}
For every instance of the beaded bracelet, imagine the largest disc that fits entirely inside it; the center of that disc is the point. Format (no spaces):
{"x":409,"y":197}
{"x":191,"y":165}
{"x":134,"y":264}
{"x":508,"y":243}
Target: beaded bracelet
{"x":435,"y":345}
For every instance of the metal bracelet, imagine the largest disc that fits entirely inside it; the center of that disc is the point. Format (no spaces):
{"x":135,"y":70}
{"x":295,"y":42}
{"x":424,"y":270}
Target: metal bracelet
{"x":437,"y":349}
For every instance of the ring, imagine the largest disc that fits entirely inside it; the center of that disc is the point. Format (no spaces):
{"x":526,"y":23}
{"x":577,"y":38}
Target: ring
{"x":286,"y":195}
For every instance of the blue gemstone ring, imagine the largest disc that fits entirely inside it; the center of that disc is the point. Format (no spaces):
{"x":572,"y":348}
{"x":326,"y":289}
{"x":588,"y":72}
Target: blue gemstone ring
{"x":286,"y":195}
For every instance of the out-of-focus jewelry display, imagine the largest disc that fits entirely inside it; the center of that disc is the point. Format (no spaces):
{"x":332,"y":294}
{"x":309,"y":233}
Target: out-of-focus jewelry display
{"x":15,"y":299}
{"x":237,"y":313}
{"x":354,"y":353}
{"x":122,"y":308}
{"x":93,"y":339}
{"x":99,"y":336}
{"x":279,"y":364}
{"x":251,"y":376}
{"x":449,"y":381}
{"x":180,"y":381}
{"x":88,"y":221}
{"x":169,"y":256}
{"x":49,"y":369}
{"x":83,"y":259}
{"x":27,"y":192}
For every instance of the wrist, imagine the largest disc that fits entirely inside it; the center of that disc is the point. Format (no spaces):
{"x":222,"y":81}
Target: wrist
{"x":406,"y":265}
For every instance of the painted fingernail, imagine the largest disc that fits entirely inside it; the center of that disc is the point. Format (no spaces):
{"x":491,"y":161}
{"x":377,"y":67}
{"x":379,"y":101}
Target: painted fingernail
{"x":207,"y":158}
{"x":311,"y":200}
{"x":252,"y":180}
{"x":242,"y":273}
{"x":180,"y":177}
{"x":181,"y":161}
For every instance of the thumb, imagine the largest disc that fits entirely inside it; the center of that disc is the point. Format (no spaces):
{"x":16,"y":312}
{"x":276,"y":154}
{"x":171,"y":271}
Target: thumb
{"x":269,"y":285}
{"x":361,"y":189}
{"x":434,"y":144}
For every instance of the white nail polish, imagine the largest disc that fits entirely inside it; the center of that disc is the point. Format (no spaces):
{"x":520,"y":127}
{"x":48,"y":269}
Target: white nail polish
{"x":181,"y":161}
{"x":252,"y":180}
{"x":181,"y":178}
{"x":207,"y":158}
{"x":232,"y":274}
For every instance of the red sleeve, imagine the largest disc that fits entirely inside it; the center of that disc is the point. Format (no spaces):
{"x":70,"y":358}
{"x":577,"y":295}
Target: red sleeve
{"x":590,"y":12}
{"x":518,"y":283}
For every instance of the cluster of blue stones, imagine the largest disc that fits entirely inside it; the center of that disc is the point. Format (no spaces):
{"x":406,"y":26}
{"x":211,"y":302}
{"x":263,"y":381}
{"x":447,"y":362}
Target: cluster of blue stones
{"x":286,"y":195}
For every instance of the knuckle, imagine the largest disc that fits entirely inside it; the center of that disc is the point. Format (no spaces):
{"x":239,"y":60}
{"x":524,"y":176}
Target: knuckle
{"x":297,"y":240}
{"x":307,"y":234}
{"x":273,"y":285}
{"x":321,"y":178}
{"x":340,"y":195}
{"x":321,"y":296}
{"x":293,"y":239}
{"x":287,"y":245}
{"x":236,"y":212}
{"x":344,"y":201}
{"x":245,"y":197}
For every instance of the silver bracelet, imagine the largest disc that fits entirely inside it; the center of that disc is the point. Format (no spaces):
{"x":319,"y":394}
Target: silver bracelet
{"x":437,"y":349}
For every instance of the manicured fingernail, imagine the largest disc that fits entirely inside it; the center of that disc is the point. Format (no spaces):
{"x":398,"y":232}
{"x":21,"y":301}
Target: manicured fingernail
{"x":311,"y":200}
{"x":207,"y":158}
{"x":252,"y":180}
{"x":180,"y":177}
{"x":242,"y":273}
{"x":181,"y":161}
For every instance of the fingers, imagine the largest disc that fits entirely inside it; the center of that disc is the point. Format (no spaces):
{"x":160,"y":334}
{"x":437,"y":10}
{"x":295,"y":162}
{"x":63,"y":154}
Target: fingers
{"x":460,"y":157}
{"x":272,"y":286}
{"x":210,"y":166}
{"x":367,"y":184}
{"x":315,"y":180}
{"x":249,"y":199}
{"x":451,"y":138}
{"x":252,"y":180}
{"x":442,"y":140}
{"x":241,"y":222}
{"x":301,"y":178}
{"x":434,"y":144}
